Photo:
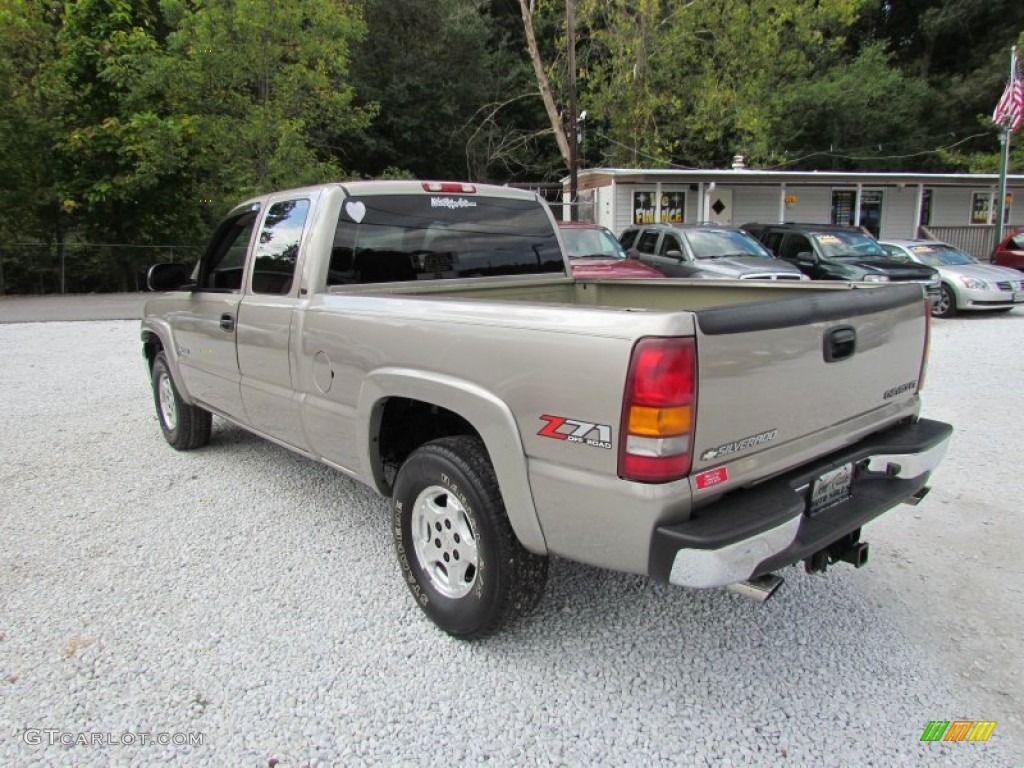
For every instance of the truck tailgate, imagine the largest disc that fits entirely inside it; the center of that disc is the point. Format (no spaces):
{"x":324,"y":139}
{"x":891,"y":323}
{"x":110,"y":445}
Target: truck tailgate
{"x":783,"y":382}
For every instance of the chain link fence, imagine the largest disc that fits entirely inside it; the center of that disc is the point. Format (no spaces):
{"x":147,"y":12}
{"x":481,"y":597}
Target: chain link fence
{"x":38,"y":268}
{"x":554,"y":195}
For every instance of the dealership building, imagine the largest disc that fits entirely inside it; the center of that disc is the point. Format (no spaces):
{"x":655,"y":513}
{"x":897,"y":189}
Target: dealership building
{"x":957,"y":208}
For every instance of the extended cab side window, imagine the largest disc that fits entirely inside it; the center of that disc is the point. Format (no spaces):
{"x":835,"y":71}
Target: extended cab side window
{"x":795,"y":245}
{"x":648,"y":242}
{"x":277,"y":249}
{"x":628,"y":238}
{"x":221,"y":266}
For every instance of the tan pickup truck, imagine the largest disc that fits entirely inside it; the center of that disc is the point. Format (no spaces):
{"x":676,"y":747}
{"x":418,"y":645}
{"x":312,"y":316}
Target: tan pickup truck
{"x":426,"y":339}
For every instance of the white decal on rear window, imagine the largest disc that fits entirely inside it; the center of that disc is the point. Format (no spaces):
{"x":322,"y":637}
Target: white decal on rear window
{"x":448,"y":202}
{"x":355,"y":211}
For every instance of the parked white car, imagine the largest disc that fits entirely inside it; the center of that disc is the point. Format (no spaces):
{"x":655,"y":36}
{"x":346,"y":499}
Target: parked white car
{"x":967,"y":284}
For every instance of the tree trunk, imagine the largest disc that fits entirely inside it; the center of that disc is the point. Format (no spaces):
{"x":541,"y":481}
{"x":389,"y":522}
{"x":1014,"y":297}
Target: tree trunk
{"x":542,"y":82}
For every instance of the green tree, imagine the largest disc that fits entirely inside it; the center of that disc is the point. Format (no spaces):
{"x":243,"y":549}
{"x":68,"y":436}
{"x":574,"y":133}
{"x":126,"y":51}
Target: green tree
{"x":426,"y":65}
{"x":128,"y":118}
{"x":694,"y":83}
{"x":821,"y":122}
{"x":263,"y":88}
{"x":121,"y":154}
{"x":509,"y":137}
{"x":961,"y":48}
{"x":30,"y":124}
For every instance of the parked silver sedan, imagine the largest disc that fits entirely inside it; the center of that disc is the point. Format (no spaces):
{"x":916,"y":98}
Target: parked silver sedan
{"x":967,"y":284}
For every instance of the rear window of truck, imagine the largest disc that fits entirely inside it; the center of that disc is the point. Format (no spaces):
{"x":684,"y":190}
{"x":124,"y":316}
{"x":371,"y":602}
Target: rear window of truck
{"x":390,"y":238}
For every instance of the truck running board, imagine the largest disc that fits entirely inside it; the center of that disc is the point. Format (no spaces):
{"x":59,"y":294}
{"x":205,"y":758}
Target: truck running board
{"x":760,"y":588}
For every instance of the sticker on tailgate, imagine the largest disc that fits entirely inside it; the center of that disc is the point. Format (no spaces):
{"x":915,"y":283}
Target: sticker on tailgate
{"x":575,"y":431}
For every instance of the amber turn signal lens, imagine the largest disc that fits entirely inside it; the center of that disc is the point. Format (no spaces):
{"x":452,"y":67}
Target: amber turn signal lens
{"x":659,"y":422}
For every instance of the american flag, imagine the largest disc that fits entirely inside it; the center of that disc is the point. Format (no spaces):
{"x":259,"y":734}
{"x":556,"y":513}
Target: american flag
{"x":1010,"y":108}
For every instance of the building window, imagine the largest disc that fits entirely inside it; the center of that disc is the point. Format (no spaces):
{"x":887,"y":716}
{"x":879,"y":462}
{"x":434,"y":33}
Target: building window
{"x":585,"y":211}
{"x":981,"y":208}
{"x":844,"y":202}
{"x":844,"y":209}
{"x":644,"y":207}
{"x":649,"y":208}
{"x":673,"y":207}
{"x":871,"y":211}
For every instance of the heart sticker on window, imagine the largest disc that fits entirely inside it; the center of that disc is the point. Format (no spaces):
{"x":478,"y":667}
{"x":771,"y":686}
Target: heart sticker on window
{"x":355,"y":211}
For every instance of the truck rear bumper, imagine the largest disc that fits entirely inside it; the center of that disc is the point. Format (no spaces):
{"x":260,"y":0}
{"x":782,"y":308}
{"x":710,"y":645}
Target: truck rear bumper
{"x":756,"y":530}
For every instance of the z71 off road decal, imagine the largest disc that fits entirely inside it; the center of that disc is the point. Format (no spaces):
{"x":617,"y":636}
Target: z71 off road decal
{"x":575,"y":431}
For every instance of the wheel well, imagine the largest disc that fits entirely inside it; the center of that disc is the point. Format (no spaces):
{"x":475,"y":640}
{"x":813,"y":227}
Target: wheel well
{"x":150,"y":347}
{"x":407,"y":424}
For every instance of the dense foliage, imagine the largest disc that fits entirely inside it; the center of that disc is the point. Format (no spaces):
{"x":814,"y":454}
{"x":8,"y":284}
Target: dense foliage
{"x":129,"y":126}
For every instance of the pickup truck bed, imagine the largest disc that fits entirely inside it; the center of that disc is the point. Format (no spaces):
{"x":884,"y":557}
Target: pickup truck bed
{"x":704,"y":434}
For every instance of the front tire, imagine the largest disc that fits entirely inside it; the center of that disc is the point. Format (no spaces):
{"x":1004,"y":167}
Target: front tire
{"x":455,"y":545}
{"x":947,"y":303}
{"x":184,"y":426}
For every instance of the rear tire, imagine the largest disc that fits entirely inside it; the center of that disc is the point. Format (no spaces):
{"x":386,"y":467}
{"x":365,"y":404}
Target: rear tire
{"x":458,"y":554}
{"x":184,"y":426}
{"x":947,"y":303}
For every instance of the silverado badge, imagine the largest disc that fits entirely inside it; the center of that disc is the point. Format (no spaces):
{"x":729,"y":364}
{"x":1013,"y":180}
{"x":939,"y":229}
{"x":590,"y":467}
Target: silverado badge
{"x":739,"y":445}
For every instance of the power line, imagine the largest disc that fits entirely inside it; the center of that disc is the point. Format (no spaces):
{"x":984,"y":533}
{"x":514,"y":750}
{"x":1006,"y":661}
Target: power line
{"x":836,"y":155}
{"x":879,"y":157}
{"x":662,"y":161}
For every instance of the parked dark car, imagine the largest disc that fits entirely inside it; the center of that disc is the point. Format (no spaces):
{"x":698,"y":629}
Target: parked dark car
{"x":1010,"y":252}
{"x":830,"y":252}
{"x":704,"y":250}
{"x":594,"y":252}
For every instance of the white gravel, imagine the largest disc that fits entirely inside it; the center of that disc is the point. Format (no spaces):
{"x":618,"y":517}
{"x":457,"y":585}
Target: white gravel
{"x":251,"y":597}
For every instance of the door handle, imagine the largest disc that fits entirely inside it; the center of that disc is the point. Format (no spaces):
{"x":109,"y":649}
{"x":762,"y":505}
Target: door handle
{"x":227,"y":322}
{"x":839,"y":343}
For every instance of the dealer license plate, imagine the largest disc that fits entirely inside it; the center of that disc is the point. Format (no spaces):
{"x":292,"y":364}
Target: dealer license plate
{"x":831,"y":488}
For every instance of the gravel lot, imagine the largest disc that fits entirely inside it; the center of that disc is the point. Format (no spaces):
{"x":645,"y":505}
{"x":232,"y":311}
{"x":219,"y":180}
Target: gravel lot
{"x":251,"y":598}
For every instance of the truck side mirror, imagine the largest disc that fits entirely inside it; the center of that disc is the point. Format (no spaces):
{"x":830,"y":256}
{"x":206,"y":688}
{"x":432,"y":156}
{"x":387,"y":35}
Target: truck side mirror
{"x":170,"y":276}
{"x":805,"y":257}
{"x":674,"y":254}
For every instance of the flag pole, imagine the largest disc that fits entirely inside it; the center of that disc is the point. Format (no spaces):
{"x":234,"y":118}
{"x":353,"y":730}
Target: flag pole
{"x":1004,"y":139}
{"x":1004,"y":161}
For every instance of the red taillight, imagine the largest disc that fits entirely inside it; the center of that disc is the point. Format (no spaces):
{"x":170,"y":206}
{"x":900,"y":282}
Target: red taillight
{"x":656,"y":434}
{"x":927,"y":343}
{"x":449,"y":186}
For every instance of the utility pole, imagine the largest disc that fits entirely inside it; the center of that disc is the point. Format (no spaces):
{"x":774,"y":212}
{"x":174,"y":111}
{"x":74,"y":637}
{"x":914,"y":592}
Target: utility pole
{"x":570,"y":24}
